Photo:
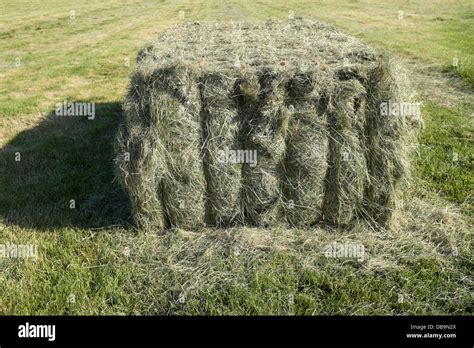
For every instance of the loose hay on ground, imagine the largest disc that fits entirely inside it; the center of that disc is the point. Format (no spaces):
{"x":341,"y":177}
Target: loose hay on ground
{"x":212,"y":265}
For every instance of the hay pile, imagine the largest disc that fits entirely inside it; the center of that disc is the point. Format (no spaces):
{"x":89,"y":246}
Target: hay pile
{"x":261,"y":124}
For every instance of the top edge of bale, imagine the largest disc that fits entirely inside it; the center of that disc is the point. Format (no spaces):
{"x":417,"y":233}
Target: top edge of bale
{"x":299,"y":45}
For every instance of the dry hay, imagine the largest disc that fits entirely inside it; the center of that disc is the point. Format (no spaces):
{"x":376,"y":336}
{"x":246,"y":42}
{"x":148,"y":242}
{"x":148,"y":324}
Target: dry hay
{"x":202,"y":265}
{"x":346,"y":174}
{"x":305,"y":163}
{"x":302,"y":96}
{"x":221,"y":125}
{"x":264,"y":128}
{"x":164,"y":175}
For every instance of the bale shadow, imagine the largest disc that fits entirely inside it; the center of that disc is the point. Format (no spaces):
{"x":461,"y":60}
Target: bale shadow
{"x":61,"y":174}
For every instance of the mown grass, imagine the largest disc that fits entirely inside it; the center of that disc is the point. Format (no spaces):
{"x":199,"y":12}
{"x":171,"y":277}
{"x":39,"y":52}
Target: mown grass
{"x":82,"y":250}
{"x":115,"y":272}
{"x":445,"y":158}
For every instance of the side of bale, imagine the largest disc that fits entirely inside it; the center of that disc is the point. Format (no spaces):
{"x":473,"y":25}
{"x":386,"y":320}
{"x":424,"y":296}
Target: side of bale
{"x":265,"y":121}
{"x":139,"y":165}
{"x":386,"y":144}
{"x":305,"y":163}
{"x":175,"y":110}
{"x":347,"y":169}
{"x":221,"y":126}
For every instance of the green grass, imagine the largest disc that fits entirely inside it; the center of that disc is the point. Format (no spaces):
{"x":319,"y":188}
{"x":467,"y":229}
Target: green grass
{"x":457,"y":35}
{"x":445,"y":159}
{"x":93,"y":268}
{"x":82,"y":249}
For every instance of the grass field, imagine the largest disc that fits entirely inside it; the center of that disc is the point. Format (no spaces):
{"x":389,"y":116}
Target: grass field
{"x":92,"y":260}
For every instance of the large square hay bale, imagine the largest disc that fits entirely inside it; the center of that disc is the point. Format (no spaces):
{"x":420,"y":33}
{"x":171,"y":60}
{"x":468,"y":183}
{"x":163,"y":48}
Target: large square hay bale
{"x":262,"y":123}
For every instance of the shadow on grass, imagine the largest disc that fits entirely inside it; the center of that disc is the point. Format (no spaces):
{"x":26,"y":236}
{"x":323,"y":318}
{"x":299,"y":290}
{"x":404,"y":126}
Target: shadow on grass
{"x":62,"y":159}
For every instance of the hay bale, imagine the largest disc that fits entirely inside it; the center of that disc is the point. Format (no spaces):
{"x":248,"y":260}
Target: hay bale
{"x":139,"y":166}
{"x":305,"y":161}
{"x":221,"y":130}
{"x":387,"y":144}
{"x":265,"y":119}
{"x":175,"y":109}
{"x":300,"y":96}
{"x":347,"y":171}
{"x":164,"y":105}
